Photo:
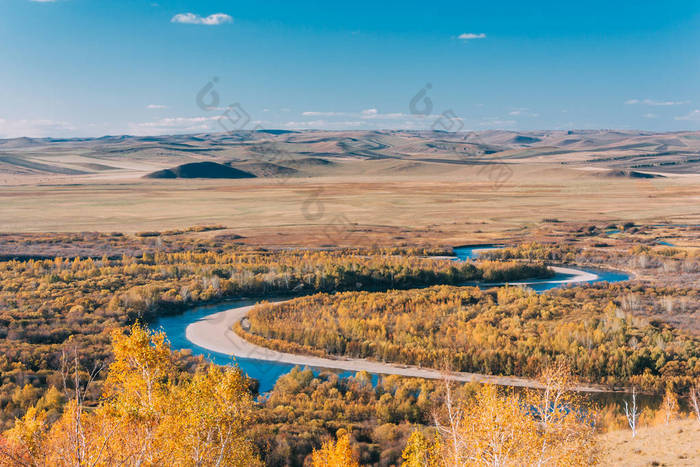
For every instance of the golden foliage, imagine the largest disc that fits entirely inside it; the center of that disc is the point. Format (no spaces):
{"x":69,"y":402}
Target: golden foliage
{"x":495,"y":429}
{"x":137,"y":379}
{"x":507,"y":331}
{"x":45,"y":302}
{"x":151,"y":414}
{"x":28,"y":436}
{"x":335,"y":454}
{"x":491,"y":427}
{"x":669,"y":405}
{"x":419,"y":452}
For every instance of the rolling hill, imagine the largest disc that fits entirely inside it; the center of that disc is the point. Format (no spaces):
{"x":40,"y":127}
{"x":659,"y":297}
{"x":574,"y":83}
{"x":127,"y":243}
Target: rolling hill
{"x":201,"y":170}
{"x":315,"y":152}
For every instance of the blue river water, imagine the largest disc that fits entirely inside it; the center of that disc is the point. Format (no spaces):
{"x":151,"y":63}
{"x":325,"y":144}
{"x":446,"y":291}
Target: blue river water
{"x":464,"y":253}
{"x":473,"y":251}
{"x":267,"y":372}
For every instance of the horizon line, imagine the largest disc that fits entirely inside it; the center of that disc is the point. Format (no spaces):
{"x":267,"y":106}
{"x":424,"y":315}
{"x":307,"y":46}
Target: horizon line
{"x":309,"y":130}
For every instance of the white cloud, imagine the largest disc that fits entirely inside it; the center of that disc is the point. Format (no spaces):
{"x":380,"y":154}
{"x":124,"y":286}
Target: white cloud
{"x":470,"y":35}
{"x":211,"y":20}
{"x":391,"y":116}
{"x":156,"y":106}
{"x":42,"y":1}
{"x":175,"y":125}
{"x":323,"y":114}
{"x":367,"y":114}
{"x":496,"y":122}
{"x":34,"y":128}
{"x":654,"y":102}
{"x":523,"y":112}
{"x":694,"y":116}
{"x":367,"y":119}
{"x":322,"y":124}
{"x":177,"y":121}
{"x":649,"y":115}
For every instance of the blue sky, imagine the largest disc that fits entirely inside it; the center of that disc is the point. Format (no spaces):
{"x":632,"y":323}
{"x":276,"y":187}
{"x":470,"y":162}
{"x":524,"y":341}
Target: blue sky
{"x":96,"y":67}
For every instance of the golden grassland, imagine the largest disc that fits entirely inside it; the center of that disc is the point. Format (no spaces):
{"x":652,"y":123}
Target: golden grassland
{"x":364,"y":203}
{"x":677,"y":443}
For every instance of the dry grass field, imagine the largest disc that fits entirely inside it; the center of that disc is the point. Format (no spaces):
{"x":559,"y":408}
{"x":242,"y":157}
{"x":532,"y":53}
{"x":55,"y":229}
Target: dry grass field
{"x":677,"y":443}
{"x":433,"y":205}
{"x":353,"y":188}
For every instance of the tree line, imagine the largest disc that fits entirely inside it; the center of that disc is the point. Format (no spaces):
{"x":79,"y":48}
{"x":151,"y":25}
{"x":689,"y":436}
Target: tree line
{"x":44,"y":303}
{"x":505,"y":331}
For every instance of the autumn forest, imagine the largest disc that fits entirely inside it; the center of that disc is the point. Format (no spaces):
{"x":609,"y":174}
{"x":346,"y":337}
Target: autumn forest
{"x":85,"y":381}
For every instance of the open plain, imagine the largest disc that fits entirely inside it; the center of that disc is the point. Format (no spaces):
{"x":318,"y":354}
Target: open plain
{"x":353,"y":188}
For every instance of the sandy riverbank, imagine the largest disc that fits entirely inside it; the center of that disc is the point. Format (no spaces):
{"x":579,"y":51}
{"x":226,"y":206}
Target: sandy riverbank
{"x":214,"y":332}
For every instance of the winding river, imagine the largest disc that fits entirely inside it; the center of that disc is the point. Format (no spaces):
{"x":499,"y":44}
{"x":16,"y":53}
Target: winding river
{"x":205,"y":330}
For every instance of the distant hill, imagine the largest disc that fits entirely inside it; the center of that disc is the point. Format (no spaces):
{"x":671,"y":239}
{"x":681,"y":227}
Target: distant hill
{"x":310,"y":162}
{"x":264,"y":169}
{"x":276,"y":132}
{"x":319,"y":152}
{"x":201,"y":170}
{"x":520,"y":139}
{"x":631,"y":174}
